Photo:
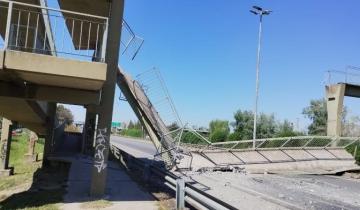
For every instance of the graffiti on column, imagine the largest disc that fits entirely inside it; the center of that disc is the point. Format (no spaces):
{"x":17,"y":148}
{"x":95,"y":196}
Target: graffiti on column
{"x":3,"y":146}
{"x":100,"y":148}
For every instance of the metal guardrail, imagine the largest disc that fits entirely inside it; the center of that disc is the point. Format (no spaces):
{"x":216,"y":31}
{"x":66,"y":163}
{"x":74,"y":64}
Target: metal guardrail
{"x":350,"y":75}
{"x":185,"y":192}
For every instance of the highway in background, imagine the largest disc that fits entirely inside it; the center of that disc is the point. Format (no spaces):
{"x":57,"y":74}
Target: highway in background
{"x":137,"y":147}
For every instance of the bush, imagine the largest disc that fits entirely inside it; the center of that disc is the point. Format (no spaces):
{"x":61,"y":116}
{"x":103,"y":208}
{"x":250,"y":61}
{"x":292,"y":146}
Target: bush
{"x":218,"y":136}
{"x":190,"y":138}
{"x":351,"y":150}
{"x":234,"y":137}
{"x":132,"y":132}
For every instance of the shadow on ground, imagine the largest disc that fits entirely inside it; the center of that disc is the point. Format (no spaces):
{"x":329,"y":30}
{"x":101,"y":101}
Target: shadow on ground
{"x":66,"y":182}
{"x":47,"y":189}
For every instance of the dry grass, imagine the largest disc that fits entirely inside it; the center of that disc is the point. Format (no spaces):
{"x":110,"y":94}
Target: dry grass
{"x":97,"y":204}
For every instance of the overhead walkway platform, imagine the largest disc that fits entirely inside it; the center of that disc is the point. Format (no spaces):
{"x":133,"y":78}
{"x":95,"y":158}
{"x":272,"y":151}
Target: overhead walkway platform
{"x":38,"y":66}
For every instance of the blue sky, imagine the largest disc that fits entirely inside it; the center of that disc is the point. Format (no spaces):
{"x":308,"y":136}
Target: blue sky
{"x":206,"y":52}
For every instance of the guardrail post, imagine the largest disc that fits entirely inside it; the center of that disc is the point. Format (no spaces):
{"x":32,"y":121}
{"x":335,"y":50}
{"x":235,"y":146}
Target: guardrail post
{"x":8,"y":23}
{"x":355,"y":151}
{"x":146,"y":173}
{"x":180,"y":194}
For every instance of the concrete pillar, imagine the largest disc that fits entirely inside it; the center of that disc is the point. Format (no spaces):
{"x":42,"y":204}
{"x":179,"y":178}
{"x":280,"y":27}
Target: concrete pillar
{"x":335,"y":100}
{"x":5,"y":144}
{"x":30,"y":156}
{"x":88,"y":132}
{"x":105,"y":110}
{"x":50,"y":125}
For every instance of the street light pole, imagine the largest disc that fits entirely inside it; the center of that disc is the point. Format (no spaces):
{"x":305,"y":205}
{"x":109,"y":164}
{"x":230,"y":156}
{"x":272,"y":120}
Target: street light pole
{"x":257,"y":11}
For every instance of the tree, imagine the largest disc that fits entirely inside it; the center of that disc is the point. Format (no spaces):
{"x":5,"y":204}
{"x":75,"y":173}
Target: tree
{"x":64,"y":114}
{"x":317,"y":113}
{"x":266,"y":126}
{"x":219,"y":130}
{"x":219,"y":125}
{"x":243,"y":124}
{"x":130,"y":125}
{"x":190,"y":138}
{"x":234,"y":136}
{"x":286,"y":129}
{"x":351,"y":127}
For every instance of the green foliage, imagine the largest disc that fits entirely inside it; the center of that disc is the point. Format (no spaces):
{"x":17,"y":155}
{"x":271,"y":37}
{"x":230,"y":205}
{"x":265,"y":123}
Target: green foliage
{"x":317,"y":113}
{"x":22,"y":170}
{"x":191,"y":138}
{"x":219,"y":130}
{"x":219,"y":125}
{"x":286,"y":129}
{"x":351,"y":149}
{"x":64,"y":114}
{"x":243,"y":124}
{"x":266,"y":127}
{"x":134,"y":125}
{"x":235,"y":136}
{"x":132,"y":132}
{"x":218,"y":136}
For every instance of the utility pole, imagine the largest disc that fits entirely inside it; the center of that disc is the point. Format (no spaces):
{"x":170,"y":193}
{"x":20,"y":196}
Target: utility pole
{"x":258,"y":11}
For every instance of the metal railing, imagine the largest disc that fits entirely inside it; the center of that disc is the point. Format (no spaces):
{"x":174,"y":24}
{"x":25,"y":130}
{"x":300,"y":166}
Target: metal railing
{"x":168,"y":120}
{"x":154,"y":86}
{"x":351,"y":75}
{"x":130,"y":42}
{"x":297,"y":142}
{"x":44,"y":30}
{"x":185,"y":193}
{"x":63,"y":33}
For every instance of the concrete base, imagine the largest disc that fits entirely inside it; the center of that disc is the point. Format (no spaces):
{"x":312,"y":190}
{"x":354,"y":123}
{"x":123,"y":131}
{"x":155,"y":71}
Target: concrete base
{"x":31,"y":158}
{"x":120,"y":189}
{"x":7,"y":172}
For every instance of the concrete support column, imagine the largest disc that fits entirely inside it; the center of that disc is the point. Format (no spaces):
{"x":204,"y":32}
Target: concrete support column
{"x":5,"y":144}
{"x":105,"y":110}
{"x":89,"y":132}
{"x":335,"y":100}
{"x":50,"y":125}
{"x":30,"y":156}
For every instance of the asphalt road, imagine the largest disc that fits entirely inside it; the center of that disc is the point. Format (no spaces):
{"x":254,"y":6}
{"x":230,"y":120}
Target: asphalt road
{"x":135,"y":147}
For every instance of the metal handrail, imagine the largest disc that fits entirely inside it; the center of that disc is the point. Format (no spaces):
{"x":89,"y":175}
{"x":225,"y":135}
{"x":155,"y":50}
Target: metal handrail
{"x":47,"y":30}
{"x":54,"y":9}
{"x":310,"y":142}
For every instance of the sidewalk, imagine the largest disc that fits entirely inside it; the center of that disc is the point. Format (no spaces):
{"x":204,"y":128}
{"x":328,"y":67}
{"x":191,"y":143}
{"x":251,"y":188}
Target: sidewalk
{"x":121,"y":191}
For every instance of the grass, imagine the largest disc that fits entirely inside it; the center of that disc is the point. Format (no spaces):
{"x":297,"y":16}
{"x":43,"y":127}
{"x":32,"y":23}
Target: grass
{"x":14,"y":190}
{"x":23,"y":171}
{"x":351,"y":149}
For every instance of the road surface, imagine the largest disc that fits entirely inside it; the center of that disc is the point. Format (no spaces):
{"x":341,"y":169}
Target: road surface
{"x":137,"y":148}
